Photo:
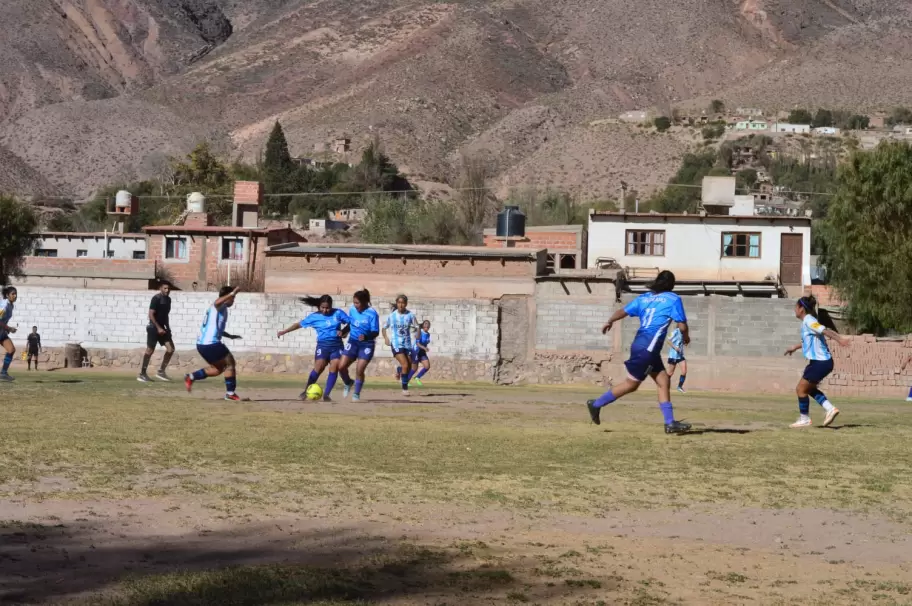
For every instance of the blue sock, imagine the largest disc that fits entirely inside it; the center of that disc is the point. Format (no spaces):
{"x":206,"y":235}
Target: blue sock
{"x":358,"y":386}
{"x":7,"y":360}
{"x":605,"y":399}
{"x":804,"y":405}
{"x":667,"y":412}
{"x":681,"y":380}
{"x":230,"y":384}
{"x":346,"y":378}
{"x":910,"y":392}
{"x":399,"y":371}
{"x":819,"y":396}
{"x":422,"y":372}
{"x":404,"y":380}
{"x":198,"y":375}
{"x":330,"y":383}
{"x":313,"y":378}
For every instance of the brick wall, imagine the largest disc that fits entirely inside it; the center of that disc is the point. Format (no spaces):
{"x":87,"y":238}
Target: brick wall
{"x":203,"y":269}
{"x":487,"y":267}
{"x":552,"y":240}
{"x":88,"y":267}
{"x":825,"y":295}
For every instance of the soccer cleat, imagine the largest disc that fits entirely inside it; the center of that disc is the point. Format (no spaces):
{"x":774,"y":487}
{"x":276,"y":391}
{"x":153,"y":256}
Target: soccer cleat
{"x":327,"y":398}
{"x":594,"y":412}
{"x":405,"y":392}
{"x":188,"y":382}
{"x":831,"y":416}
{"x":681,"y":389}
{"x":302,"y":395}
{"x":677,"y":427}
{"x":143,"y":378}
{"x":801,"y":423}
{"x":909,"y":399}
{"x":233,"y":397}
{"x":6,"y":378}
{"x":356,"y":397}
{"x":418,"y":382}
{"x":161,"y":376}
{"x":346,"y":389}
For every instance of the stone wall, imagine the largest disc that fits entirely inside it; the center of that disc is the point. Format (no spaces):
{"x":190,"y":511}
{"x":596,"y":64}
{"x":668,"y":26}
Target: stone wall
{"x":465,"y":333}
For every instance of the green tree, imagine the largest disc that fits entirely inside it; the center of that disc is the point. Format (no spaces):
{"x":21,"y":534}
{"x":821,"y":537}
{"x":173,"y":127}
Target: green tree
{"x":376,"y":173}
{"x":823,"y":117}
{"x":713,"y":131}
{"x":746,"y":179}
{"x":900,"y":115}
{"x":717,"y":106}
{"x":277,"y":158}
{"x":868,"y":249}
{"x":201,"y":168}
{"x":662,"y":123}
{"x":857,"y":122}
{"x":684,"y":189}
{"x":800,"y":116}
{"x":18,"y":224}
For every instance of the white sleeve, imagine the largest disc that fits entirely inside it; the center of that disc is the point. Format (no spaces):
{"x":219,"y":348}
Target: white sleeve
{"x":815,"y":326}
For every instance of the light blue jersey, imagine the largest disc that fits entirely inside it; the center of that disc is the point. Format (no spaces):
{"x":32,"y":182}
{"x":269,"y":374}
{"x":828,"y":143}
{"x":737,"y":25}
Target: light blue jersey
{"x":401,"y":327}
{"x":365,"y":322}
{"x":327,"y":327}
{"x":813,"y":343}
{"x":656,"y":313}
{"x":213,"y":325}
{"x":6,"y":312}
{"x":677,"y":341}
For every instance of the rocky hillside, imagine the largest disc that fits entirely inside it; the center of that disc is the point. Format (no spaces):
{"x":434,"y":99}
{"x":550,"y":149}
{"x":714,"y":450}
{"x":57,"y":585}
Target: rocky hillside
{"x":93,"y":91}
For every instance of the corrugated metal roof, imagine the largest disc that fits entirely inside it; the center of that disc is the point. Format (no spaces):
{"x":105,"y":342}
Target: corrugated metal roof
{"x":399,"y":251}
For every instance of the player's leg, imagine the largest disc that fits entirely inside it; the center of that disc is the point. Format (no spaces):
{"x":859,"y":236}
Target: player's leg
{"x":10,"y":351}
{"x":28,"y":360}
{"x":405,"y":366}
{"x":230,"y":373}
{"x":821,"y":370}
{"x":345,"y":363}
{"x":168,"y":343}
{"x":321,"y":359}
{"x":364,"y":358}
{"x":151,"y":342}
{"x":638,"y":369}
{"x":683,"y":377}
{"x":425,"y":368}
{"x":909,"y":399}
{"x":334,"y":364}
{"x":663,"y":387}
{"x":802,"y":390}
{"x":214,"y":355}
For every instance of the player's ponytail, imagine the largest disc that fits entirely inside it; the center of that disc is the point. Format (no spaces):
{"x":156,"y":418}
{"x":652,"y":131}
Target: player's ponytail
{"x":364,"y":296}
{"x":317,"y":301}
{"x":809,"y":303}
{"x":7,"y":291}
{"x":664,"y":282}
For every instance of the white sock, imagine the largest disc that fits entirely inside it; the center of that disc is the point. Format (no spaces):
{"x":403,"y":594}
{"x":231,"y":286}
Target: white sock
{"x":804,"y":418}
{"x":827,"y":406}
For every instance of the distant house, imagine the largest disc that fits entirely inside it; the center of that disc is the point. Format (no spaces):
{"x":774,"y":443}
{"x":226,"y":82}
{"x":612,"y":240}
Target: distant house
{"x":750,"y":112}
{"x":348,"y":215}
{"x":752,"y":125}
{"x":827,"y":130}
{"x":635,"y":117}
{"x":877,"y":121}
{"x":786,"y":127}
{"x":341,"y":145}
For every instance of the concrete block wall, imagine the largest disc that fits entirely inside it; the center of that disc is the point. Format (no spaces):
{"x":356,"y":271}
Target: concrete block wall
{"x":100,"y":319}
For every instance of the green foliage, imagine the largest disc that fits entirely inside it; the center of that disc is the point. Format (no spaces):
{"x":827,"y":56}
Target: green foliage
{"x":868,"y":248}
{"x":662,"y":123}
{"x":18,"y":224}
{"x":277,"y":159}
{"x":713,"y":131}
{"x":800,"y":116}
{"x":717,"y":106}
{"x":203,"y":169}
{"x":557,"y":208}
{"x":745,"y":179}
{"x":900,"y":115}
{"x":823,"y":117}
{"x":376,"y":173}
{"x":684,"y":189}
{"x":398,"y":220}
{"x":856,"y":122}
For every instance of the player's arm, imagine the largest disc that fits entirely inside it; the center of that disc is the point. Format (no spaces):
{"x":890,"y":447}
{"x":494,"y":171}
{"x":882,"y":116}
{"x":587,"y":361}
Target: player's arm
{"x":685,"y":333}
{"x":230,"y":336}
{"x":221,"y":301}
{"x":39,"y":342}
{"x":615,"y":317}
{"x":792,"y":349}
{"x":291,"y":328}
{"x":835,"y":336}
{"x":386,"y":326}
{"x":673,"y":346}
{"x":152,"y":310}
{"x":3,"y":324}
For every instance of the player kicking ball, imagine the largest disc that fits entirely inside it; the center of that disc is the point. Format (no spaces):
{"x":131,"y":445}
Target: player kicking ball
{"x":210,"y":346}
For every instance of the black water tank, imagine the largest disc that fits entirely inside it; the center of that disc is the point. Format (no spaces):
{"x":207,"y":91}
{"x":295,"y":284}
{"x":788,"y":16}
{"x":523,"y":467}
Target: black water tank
{"x":511,"y":223}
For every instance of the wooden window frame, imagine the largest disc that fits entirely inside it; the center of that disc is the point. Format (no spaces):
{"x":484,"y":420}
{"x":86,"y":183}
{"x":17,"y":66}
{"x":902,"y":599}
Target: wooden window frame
{"x":651,"y":244}
{"x":168,"y":259}
{"x":734,"y":235}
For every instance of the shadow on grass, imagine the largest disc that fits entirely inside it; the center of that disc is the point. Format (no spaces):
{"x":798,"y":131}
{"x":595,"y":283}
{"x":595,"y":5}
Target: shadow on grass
{"x":60,"y":381}
{"x":701,"y":431}
{"x":258,"y":566}
{"x":846,"y":426}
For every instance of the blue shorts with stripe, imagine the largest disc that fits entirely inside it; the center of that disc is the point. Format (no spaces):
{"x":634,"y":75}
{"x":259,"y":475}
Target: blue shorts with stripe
{"x":643,"y":363}
{"x":359,"y":350}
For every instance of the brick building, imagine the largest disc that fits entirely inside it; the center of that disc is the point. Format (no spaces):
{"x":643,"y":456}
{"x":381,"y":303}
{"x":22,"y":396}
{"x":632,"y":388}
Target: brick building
{"x":565,"y":244}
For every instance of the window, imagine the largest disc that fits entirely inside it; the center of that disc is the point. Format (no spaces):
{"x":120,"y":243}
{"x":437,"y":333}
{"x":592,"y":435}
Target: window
{"x":139,"y":254}
{"x":232,"y":249}
{"x":82,"y":252}
{"x":45,"y":252}
{"x":741,"y":245}
{"x":176,"y":248}
{"x":646,"y":243}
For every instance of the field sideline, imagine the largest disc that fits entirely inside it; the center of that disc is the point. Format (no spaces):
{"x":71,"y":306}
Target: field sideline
{"x":116,"y":492}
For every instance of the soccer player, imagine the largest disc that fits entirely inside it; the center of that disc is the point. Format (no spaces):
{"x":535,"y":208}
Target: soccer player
{"x":656,"y":310}
{"x":905,"y":364}
{"x":33,"y":347}
{"x":6,"y":329}
{"x":361,"y":346}
{"x":676,"y":357}
{"x":820,"y":362}
{"x":420,"y":353}
{"x":210,"y":346}
{"x":397,"y":332}
{"x":158,"y":331}
{"x":329,"y":324}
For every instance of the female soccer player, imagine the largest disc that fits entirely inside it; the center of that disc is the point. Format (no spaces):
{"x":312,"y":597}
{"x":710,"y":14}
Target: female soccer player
{"x":401,"y":323}
{"x":905,"y":364}
{"x":820,"y":361}
{"x":6,"y":314}
{"x":420,"y":353}
{"x":656,"y":310}
{"x":364,"y":330}
{"x":676,"y":357}
{"x":329,"y":323}
{"x":210,"y":346}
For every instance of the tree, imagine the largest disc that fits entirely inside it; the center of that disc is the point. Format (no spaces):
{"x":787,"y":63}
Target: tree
{"x":18,"y":224}
{"x":868,"y":249}
{"x":900,"y":115}
{"x":823,"y":117}
{"x":201,"y":168}
{"x":277,"y":158}
{"x":857,"y":122}
{"x":476,"y":202}
{"x":713,"y":131}
{"x":800,"y":116}
{"x":746,"y":179}
{"x":662,"y":123}
{"x":683,"y":191}
{"x":717,"y":106}
{"x":376,"y":173}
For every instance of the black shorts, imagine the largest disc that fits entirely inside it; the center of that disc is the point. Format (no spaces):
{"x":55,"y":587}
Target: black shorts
{"x":153,"y":338}
{"x":214,"y":353}
{"x":32,"y":353}
{"x":401,"y":351}
{"x":817,"y":370}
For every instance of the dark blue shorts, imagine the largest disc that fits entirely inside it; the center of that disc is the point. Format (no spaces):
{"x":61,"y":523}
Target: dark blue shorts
{"x":817,"y":370}
{"x":673,"y":361}
{"x":328,"y":352}
{"x":643,"y":363}
{"x":419,"y":355}
{"x":359,"y":350}
{"x":405,"y":351}
{"x":214,"y":353}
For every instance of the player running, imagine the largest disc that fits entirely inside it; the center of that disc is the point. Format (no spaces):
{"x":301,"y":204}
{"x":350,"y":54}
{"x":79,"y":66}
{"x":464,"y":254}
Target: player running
{"x":210,"y":346}
{"x":361,"y":346}
{"x":6,"y":329}
{"x":420,"y":354}
{"x":158,"y":332}
{"x":676,"y":357}
{"x":33,"y":347}
{"x":820,"y":362}
{"x":656,"y":310}
{"x":329,"y":324}
{"x":397,"y":332}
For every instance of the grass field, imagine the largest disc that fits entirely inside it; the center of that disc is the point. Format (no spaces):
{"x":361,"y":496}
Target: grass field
{"x":114,"y":492}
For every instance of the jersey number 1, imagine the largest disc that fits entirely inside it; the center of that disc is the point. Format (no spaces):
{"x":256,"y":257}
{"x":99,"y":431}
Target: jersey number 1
{"x":647,"y":317}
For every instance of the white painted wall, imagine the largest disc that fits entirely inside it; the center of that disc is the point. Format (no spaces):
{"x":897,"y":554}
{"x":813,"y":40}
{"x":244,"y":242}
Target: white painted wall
{"x":116,"y":319}
{"x":784,"y":127}
{"x":693,"y":244}
{"x":121,"y":247}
